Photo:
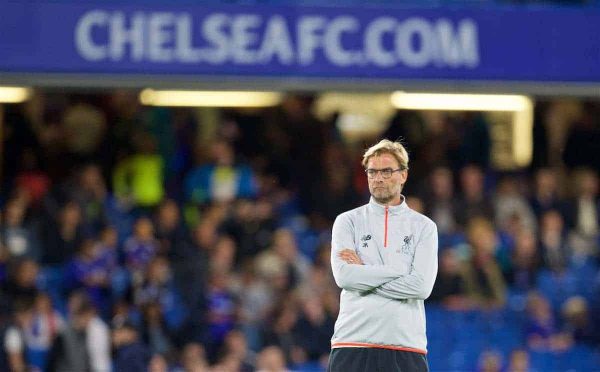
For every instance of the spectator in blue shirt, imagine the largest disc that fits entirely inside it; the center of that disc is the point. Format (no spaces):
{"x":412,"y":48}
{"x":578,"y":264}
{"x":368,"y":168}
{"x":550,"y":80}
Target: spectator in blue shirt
{"x":220,"y":180}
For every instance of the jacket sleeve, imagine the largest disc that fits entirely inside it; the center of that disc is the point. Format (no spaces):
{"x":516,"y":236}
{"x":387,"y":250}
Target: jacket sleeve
{"x":418,"y":284}
{"x":349,"y":276}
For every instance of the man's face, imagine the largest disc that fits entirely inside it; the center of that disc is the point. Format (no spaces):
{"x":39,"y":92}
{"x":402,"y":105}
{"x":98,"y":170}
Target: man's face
{"x":386,"y":190}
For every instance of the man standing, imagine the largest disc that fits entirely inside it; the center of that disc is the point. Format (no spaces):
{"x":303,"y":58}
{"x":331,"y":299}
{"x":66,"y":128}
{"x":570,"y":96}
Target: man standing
{"x":384,"y":257}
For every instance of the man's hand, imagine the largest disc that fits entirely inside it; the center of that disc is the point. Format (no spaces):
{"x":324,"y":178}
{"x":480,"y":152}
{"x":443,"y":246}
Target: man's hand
{"x":350,"y":256}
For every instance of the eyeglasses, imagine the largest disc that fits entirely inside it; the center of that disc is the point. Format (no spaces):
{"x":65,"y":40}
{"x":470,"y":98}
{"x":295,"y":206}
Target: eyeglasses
{"x":385,"y":173}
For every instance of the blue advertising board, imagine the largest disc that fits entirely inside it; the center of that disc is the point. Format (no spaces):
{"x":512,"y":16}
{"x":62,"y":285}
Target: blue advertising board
{"x":92,"y":37}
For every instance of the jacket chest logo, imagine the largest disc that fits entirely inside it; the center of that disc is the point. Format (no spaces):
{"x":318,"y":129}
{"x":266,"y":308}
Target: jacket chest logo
{"x":407,"y":246}
{"x":364,"y":239}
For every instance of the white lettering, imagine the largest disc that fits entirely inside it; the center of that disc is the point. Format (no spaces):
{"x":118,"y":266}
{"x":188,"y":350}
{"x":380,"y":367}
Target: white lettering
{"x":243,"y":36}
{"x":333,"y":41}
{"x":185,"y":50}
{"x":159,"y":35}
{"x":374,"y":42}
{"x":212,"y":30}
{"x":276,"y":42}
{"x":409,"y":54}
{"x":83,"y":35}
{"x":120,"y":36}
{"x":168,"y":37}
{"x":308,"y":39}
{"x":461,"y":47}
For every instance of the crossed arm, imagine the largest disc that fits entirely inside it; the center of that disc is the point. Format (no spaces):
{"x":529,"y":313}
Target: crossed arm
{"x":352,"y":274}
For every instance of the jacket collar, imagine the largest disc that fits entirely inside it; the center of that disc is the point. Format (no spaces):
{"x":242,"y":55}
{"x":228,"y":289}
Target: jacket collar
{"x":393,"y":209}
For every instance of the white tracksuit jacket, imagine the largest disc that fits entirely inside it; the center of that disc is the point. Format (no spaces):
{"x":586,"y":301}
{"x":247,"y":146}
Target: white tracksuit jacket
{"x":382,"y":301}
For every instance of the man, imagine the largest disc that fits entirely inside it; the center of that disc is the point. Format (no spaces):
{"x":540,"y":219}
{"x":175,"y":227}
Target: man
{"x":12,"y":338}
{"x":384,"y":257}
{"x":130,"y":353}
{"x":84,"y":344}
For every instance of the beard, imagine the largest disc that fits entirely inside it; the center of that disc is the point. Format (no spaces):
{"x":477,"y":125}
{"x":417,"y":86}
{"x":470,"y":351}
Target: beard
{"x":383,"y":195}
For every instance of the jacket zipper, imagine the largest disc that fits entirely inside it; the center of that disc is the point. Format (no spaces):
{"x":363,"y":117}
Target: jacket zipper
{"x":385,"y":228}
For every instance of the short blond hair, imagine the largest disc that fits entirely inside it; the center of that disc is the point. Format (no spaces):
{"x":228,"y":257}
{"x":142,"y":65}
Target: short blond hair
{"x":385,"y":146}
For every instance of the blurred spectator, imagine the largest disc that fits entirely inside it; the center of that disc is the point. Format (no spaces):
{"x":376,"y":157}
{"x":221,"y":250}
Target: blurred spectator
{"x":64,"y":236}
{"x":332,"y":190}
{"x":31,"y":180}
{"x":222,"y":179}
{"x":251,"y":225}
{"x":193,"y":358}
{"x":556,"y":254}
{"x":46,"y":324}
{"x":545,"y":194}
{"x":89,"y":271}
{"x":221,"y":311}
{"x":236,"y":347}
{"x":222,"y":256}
{"x":18,"y":238}
{"x":158,"y":363}
{"x":481,"y":273}
{"x":541,"y":328}
{"x":78,"y":347}
{"x":450,"y":287}
{"x":440,"y":202}
{"x":519,"y":361}
{"x":490,"y":361}
{"x":227,"y":362}
{"x":583,"y":213}
{"x":140,"y":248}
{"x":473,"y":201}
{"x":296,"y":156}
{"x":158,"y":288}
{"x":130,"y":353}
{"x":525,"y":262}
{"x":21,"y":284}
{"x":191,"y":271}
{"x":415,"y":203}
{"x":97,"y":333}
{"x":97,"y":207}
{"x":318,"y":284}
{"x":107,"y":249}
{"x":312,"y":330}
{"x":512,"y":208}
{"x":4,"y":257}
{"x":138,"y":179}
{"x":271,"y":359}
{"x":578,"y":323}
{"x":279,"y":332}
{"x":12,"y":337}
{"x":255,"y":301}
{"x":285,"y":250}
{"x":170,"y":230}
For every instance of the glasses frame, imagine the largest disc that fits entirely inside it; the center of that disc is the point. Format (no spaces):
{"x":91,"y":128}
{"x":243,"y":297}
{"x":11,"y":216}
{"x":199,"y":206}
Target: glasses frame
{"x":383,"y":172}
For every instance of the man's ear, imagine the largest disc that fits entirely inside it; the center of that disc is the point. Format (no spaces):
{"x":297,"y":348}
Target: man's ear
{"x":404,"y":176}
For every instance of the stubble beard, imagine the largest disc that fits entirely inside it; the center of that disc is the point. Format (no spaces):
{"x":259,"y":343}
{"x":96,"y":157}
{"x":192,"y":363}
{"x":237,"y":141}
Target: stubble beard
{"x":384,"y":197}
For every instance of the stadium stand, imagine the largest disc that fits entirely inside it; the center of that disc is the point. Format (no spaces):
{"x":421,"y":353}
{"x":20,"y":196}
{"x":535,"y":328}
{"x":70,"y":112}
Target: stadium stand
{"x":213,"y":252}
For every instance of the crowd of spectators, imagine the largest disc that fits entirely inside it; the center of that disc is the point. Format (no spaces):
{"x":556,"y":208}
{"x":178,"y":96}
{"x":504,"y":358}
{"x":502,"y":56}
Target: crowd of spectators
{"x":138,"y":237}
